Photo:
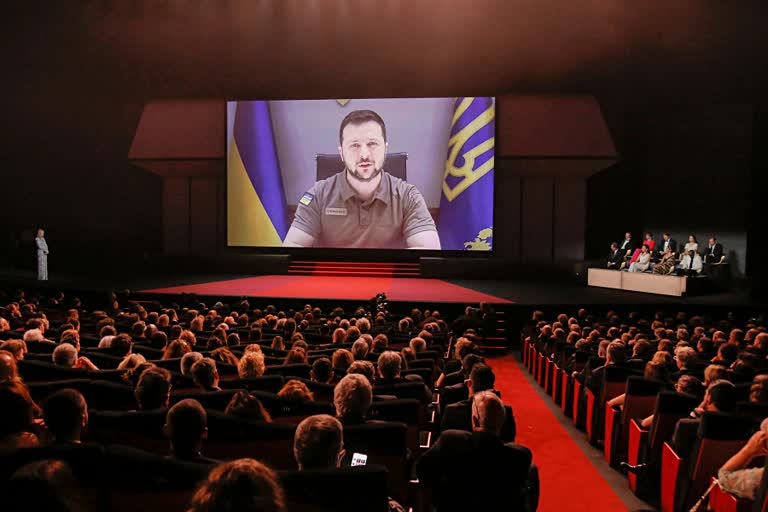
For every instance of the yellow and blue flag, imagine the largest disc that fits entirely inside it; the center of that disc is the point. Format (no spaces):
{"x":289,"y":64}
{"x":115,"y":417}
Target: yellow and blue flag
{"x":256,"y":198}
{"x":466,"y":202}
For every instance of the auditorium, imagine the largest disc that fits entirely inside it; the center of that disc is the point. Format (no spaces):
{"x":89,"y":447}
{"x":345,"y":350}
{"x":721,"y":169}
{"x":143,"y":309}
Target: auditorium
{"x":263,"y":256}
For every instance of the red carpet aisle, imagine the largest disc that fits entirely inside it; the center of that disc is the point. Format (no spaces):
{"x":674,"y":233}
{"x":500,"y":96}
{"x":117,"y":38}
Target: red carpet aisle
{"x":569,"y":481}
{"x":332,"y":287}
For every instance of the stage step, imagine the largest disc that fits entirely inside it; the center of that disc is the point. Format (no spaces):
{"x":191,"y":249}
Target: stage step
{"x":354,"y":269}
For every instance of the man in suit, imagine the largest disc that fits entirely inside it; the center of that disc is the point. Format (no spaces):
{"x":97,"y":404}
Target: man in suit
{"x":667,"y":241}
{"x":627,"y":245}
{"x":458,"y":416}
{"x":615,"y":257}
{"x":720,"y":397}
{"x":714,"y":251}
{"x":462,"y":467}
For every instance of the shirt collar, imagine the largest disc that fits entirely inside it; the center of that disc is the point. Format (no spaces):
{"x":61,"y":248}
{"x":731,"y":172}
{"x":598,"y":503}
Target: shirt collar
{"x":382,"y":192}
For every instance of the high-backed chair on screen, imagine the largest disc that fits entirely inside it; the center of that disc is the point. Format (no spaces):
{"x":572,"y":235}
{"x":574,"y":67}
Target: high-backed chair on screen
{"x":330,"y":164}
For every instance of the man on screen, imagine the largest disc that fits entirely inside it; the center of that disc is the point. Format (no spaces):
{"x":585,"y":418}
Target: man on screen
{"x":363,"y":206}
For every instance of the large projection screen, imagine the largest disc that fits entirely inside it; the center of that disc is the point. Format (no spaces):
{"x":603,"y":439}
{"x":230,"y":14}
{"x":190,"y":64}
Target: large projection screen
{"x":405,"y":173}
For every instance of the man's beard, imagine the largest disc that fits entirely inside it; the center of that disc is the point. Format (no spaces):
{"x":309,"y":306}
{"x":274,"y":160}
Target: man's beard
{"x":360,"y":177}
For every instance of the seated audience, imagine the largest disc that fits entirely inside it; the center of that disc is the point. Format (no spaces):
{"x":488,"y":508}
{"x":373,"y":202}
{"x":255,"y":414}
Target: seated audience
{"x":390,"y":365}
{"x":246,"y":406}
{"x":322,"y":370}
{"x":153,"y":390}
{"x":251,"y":365}
{"x":205,"y":375}
{"x":720,"y":397}
{"x":360,"y":349}
{"x":364,"y":368}
{"x":296,"y":391}
{"x":186,"y":426}
{"x":243,"y":485}
{"x":65,"y":355}
{"x":461,"y":463}
{"x":352,"y":398}
{"x":735,"y":476}
{"x":44,"y":485}
{"x":458,"y":416}
{"x":188,"y":360}
{"x":66,"y":416}
{"x":16,"y":347}
{"x":297,"y":355}
{"x":16,"y":420}
{"x":342,"y":359}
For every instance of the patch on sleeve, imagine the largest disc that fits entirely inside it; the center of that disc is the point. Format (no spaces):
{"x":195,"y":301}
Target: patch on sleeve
{"x":306,"y":199}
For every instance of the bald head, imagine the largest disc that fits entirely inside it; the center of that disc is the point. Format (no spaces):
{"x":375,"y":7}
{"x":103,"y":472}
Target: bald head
{"x":488,"y":412}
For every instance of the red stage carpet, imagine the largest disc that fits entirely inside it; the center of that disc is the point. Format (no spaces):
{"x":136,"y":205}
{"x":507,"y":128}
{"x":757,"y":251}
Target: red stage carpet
{"x":346,"y":288}
{"x":569,"y":480}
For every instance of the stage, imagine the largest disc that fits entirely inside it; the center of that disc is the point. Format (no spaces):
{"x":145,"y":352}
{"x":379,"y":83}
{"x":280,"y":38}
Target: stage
{"x":334,"y":287}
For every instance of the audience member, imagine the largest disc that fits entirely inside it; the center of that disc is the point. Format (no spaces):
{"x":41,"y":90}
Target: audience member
{"x":66,"y":416}
{"x":186,"y":426}
{"x":243,"y":485}
{"x":205,"y":375}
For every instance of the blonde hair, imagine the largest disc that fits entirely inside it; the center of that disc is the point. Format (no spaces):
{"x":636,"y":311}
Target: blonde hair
{"x":251,"y":365}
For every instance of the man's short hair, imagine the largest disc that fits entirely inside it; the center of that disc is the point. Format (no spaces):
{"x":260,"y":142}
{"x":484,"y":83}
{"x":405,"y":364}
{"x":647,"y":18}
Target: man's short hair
{"x":120,"y":345}
{"x":482,"y":377}
{"x":361,"y":117}
{"x":185,"y":422}
{"x":204,"y":372}
{"x":188,"y":360}
{"x":616,"y":352}
{"x":63,"y":412}
{"x":352,"y":397}
{"x":138,"y":328}
{"x":390,"y":364}
{"x":488,"y":411}
{"x":65,"y":355}
{"x":251,"y":365}
{"x":153,"y":388}
{"x":723,"y":395}
{"x":318,"y":441}
{"x":322,"y":370}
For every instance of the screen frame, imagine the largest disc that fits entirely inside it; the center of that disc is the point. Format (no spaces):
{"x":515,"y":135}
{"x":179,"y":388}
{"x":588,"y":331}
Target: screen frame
{"x":369,"y":254}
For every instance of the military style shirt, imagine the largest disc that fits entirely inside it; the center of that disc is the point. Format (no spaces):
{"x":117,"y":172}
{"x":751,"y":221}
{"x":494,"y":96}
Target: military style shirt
{"x":332,"y":213}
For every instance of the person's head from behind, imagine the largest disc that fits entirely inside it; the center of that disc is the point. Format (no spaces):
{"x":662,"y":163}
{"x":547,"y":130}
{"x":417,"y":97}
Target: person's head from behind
{"x":205,"y":374}
{"x":65,"y":355}
{"x":66,"y":415}
{"x":481,"y":378}
{"x":342,"y":358}
{"x":153,"y":391}
{"x":352,"y":398}
{"x":714,"y":372}
{"x":690,"y":385}
{"x":720,"y":397}
{"x":47,"y":485}
{"x":8,"y":368}
{"x":364,"y":368}
{"x":251,"y":365}
{"x":296,"y":355}
{"x":296,"y":391}
{"x":188,"y":360}
{"x":656,"y":371}
{"x":488,"y":413}
{"x":469,"y":362}
{"x":121,"y":345}
{"x":17,"y":414}
{"x":363,"y":144}
{"x":318,"y":443}
{"x":186,"y":425}
{"x":359,"y":349}
{"x":686,"y":357}
{"x":322,"y":370}
{"x":758,"y":391}
{"x":243,"y":485}
{"x":727,"y":352}
{"x":247,"y":406}
{"x":390,"y":365}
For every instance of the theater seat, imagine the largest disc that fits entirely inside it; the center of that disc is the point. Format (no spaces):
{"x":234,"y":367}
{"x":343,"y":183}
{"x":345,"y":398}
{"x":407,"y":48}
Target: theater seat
{"x":639,"y":402}
{"x":718,"y":438}
{"x":336,"y":490}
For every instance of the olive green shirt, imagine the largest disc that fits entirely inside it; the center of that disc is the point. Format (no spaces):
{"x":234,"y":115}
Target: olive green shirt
{"x":332,"y":213}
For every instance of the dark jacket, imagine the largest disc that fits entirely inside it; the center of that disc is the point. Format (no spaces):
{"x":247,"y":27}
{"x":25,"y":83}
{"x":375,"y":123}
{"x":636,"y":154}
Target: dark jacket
{"x":458,"y":416}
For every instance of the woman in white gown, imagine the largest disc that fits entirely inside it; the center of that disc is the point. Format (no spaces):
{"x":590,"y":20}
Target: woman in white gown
{"x":42,"y":255}
{"x":643,"y":261}
{"x":692,"y":245}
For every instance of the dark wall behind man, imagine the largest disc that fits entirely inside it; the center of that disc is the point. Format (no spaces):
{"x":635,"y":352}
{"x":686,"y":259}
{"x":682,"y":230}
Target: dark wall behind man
{"x":684,"y":170}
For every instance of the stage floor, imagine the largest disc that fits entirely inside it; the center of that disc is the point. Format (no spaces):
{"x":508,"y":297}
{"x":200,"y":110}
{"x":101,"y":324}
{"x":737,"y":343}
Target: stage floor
{"x":344,"y":288}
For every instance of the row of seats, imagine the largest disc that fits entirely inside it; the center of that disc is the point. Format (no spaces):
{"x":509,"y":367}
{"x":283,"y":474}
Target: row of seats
{"x":675,"y":483}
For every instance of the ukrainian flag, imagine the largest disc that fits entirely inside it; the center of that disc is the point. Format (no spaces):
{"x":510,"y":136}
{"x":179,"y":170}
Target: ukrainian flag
{"x":466,"y":202}
{"x":257,"y":213}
